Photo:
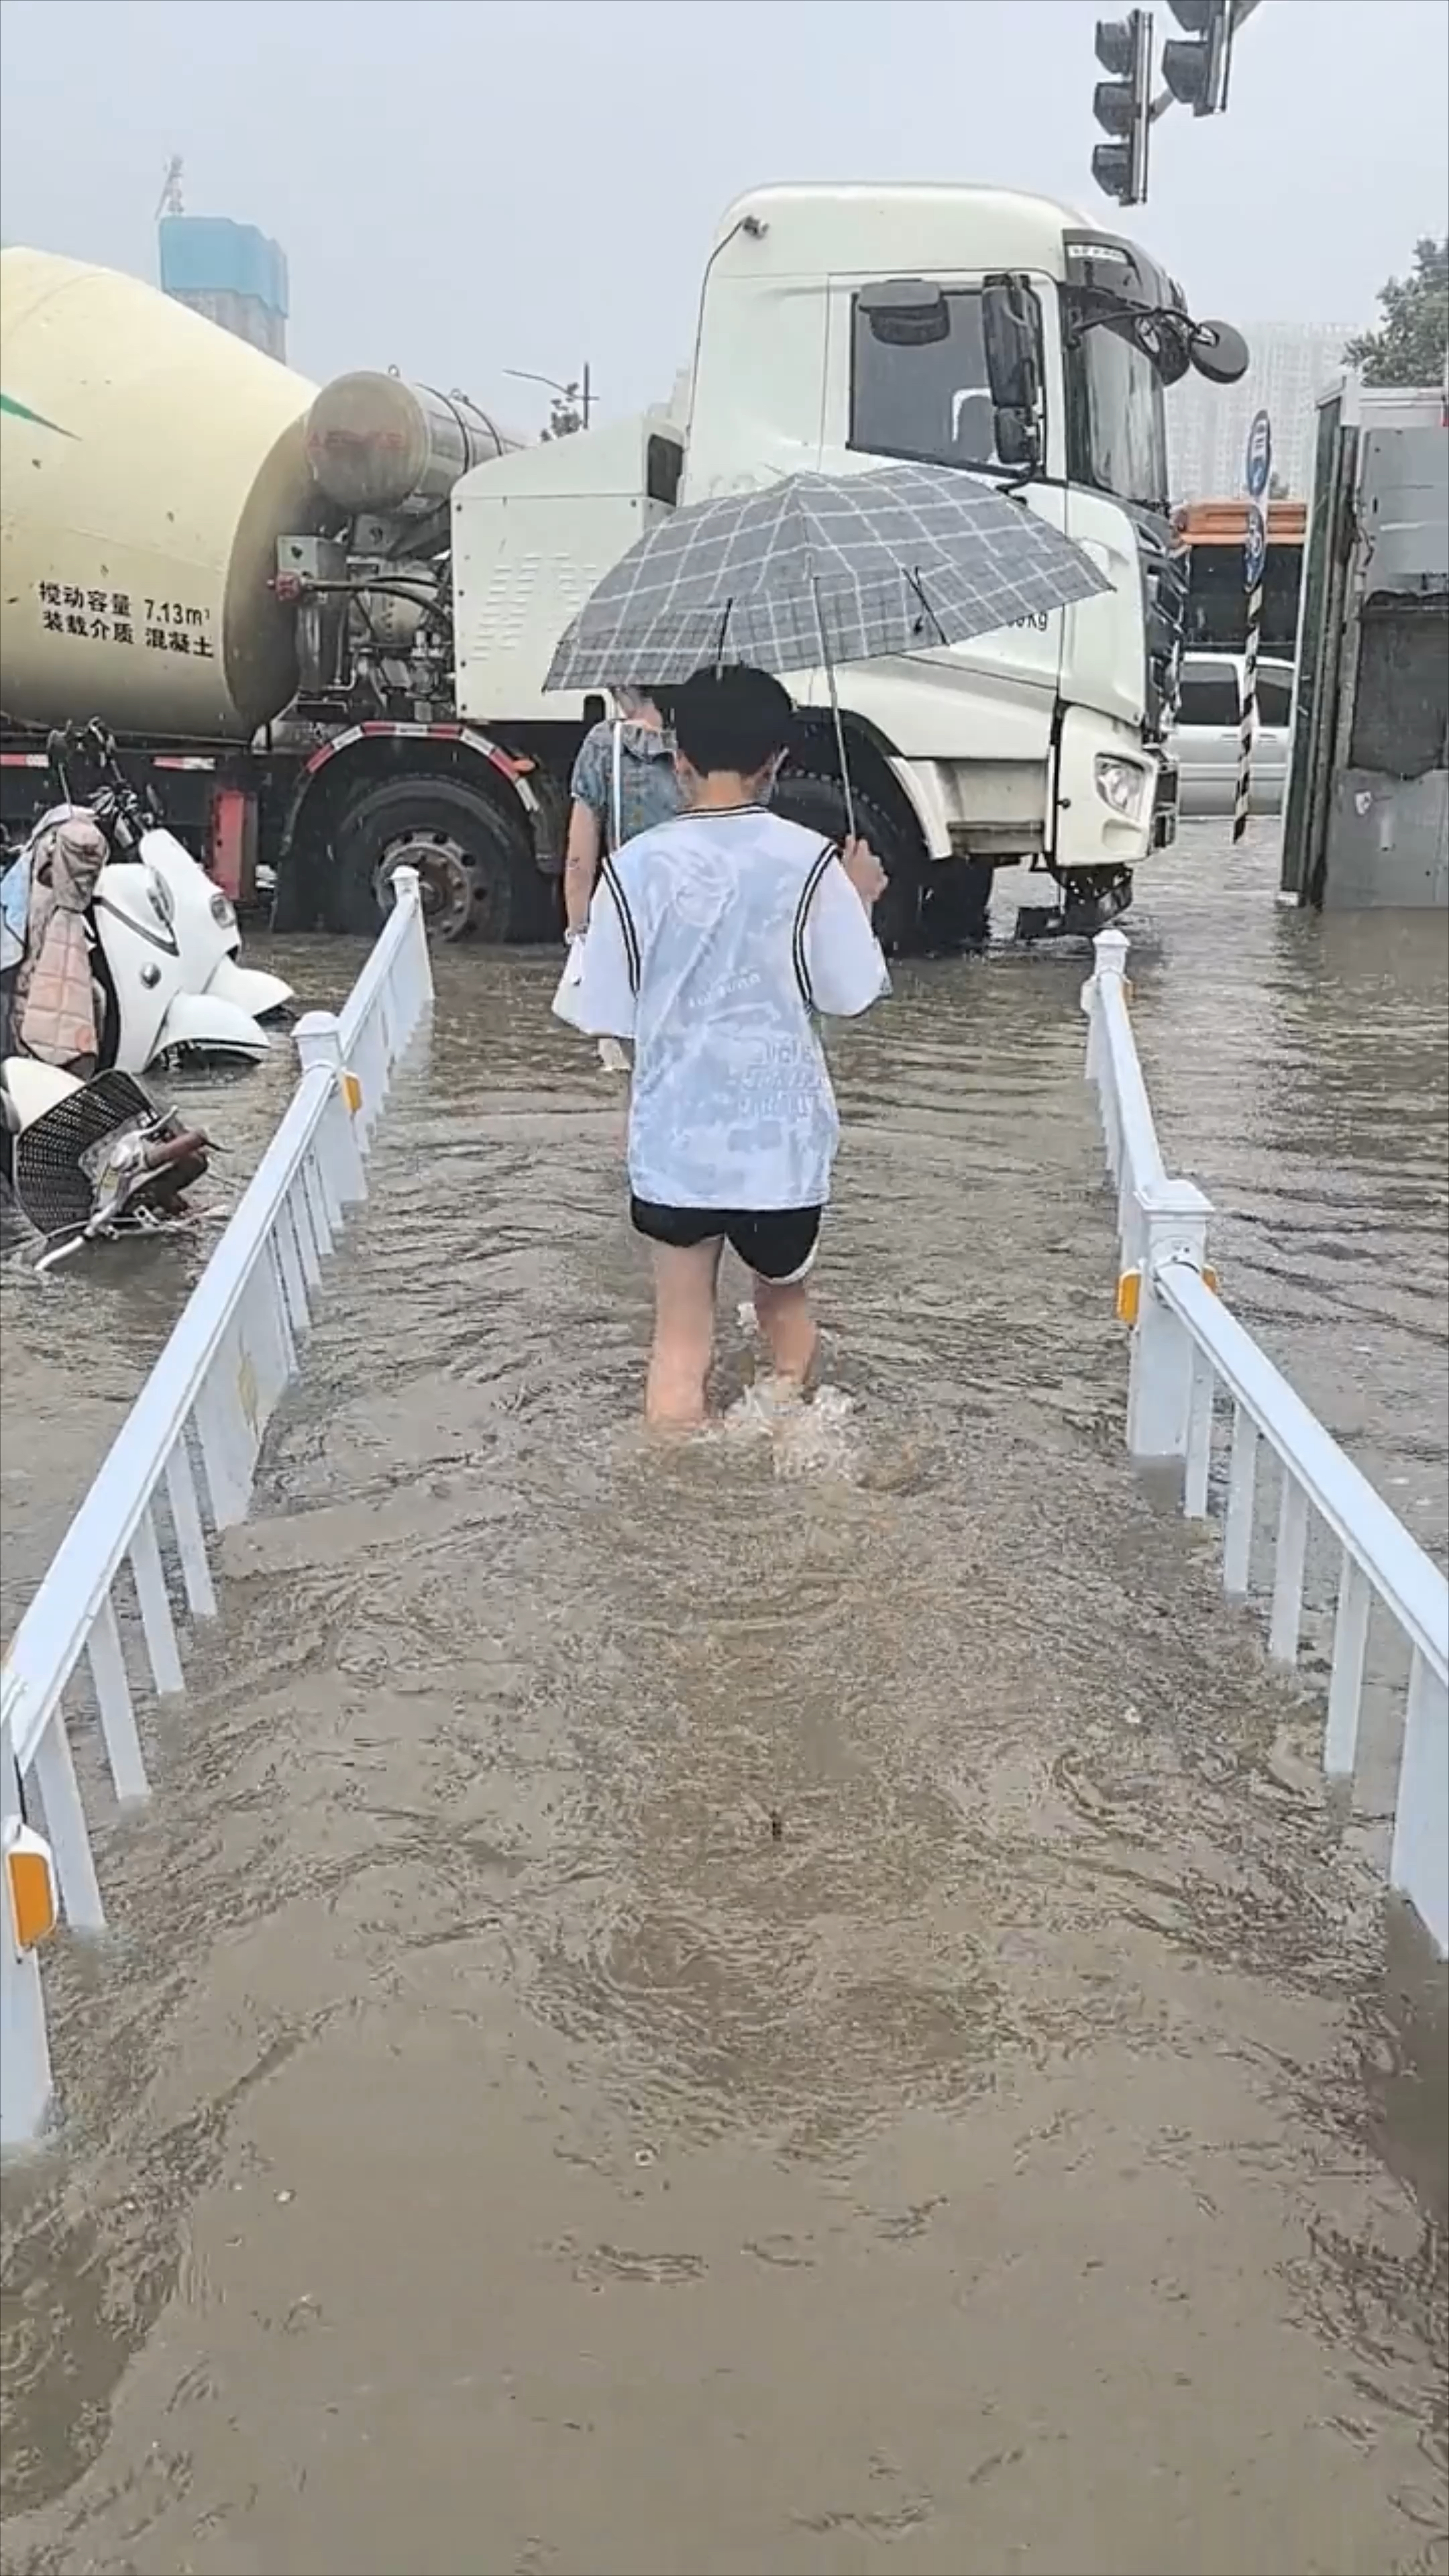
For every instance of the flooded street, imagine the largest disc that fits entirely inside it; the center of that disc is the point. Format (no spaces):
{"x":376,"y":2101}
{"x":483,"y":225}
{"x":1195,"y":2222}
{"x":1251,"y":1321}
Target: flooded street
{"x":1299,"y":1069}
{"x":795,"y":2006}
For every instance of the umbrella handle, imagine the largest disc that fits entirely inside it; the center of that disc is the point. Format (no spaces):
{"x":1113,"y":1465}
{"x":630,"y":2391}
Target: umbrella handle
{"x":829,"y":669}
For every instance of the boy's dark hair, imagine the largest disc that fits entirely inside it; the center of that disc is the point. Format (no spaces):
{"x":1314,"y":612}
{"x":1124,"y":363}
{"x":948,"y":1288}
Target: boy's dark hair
{"x":733,"y":719}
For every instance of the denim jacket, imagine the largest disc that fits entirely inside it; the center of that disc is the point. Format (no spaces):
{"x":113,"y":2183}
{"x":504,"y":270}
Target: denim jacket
{"x":648,"y":788}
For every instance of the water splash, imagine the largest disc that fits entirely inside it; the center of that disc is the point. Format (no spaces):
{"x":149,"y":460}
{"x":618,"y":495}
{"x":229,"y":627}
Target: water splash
{"x":808,"y":1435}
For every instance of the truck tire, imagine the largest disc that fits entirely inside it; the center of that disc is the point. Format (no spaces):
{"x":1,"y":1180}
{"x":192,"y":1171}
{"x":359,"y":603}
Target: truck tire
{"x":956,"y":912}
{"x":475,"y":871}
{"x":804,"y":796}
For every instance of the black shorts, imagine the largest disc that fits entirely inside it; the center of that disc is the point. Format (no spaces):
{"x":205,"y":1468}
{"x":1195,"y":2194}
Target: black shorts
{"x":778,"y":1244}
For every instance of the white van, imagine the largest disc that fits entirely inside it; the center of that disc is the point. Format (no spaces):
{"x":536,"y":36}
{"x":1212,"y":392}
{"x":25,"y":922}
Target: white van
{"x":1204,"y":741}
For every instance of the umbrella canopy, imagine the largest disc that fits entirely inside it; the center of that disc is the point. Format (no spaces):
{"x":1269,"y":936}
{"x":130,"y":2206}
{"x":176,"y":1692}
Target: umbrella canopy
{"x":818,"y":569}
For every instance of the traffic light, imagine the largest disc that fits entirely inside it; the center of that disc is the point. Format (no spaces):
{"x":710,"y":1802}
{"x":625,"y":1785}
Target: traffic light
{"x":1123,"y":105}
{"x":1195,"y":68}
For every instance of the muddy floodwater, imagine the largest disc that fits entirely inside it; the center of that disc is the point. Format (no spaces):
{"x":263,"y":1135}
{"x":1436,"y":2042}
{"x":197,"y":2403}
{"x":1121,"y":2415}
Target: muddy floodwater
{"x":795,"y":2006}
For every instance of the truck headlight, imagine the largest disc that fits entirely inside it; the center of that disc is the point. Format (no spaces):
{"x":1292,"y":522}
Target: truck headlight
{"x":1119,"y":783}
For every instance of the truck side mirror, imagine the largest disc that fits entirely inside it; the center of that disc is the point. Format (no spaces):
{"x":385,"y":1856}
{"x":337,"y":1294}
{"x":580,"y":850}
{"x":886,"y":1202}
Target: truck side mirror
{"x":1009,"y":320}
{"x":1010,"y":338}
{"x":1165,"y":339}
{"x":1219,"y":352}
{"x":905,"y":312}
{"x":1015,"y":437}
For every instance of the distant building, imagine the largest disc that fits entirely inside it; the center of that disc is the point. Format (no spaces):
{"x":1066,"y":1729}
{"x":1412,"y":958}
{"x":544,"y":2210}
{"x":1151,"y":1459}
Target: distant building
{"x":1207,"y":425}
{"x":230,"y":272}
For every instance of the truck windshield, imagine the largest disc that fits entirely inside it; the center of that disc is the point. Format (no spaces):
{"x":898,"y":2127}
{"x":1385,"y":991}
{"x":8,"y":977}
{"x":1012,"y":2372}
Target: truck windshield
{"x":1116,"y":418}
{"x":929,"y":402}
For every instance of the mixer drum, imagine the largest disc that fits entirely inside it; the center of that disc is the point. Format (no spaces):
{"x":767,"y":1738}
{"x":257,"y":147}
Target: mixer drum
{"x":148,"y":464}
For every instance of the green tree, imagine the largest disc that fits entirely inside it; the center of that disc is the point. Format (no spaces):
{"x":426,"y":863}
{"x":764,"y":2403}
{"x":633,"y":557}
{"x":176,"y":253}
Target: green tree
{"x":1411,"y":346}
{"x":565,"y":414}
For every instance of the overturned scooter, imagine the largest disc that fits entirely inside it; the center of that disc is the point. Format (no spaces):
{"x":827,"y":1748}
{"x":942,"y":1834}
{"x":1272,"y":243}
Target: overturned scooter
{"x":86,"y":1160}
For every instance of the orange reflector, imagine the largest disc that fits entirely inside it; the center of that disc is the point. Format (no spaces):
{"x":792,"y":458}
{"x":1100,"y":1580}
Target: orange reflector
{"x":1210,"y":1280}
{"x":31,"y":1877}
{"x":352,"y":1092}
{"x":1129,"y":1296}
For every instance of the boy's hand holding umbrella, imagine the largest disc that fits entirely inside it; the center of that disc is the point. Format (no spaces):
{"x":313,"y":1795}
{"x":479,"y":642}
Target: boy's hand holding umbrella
{"x":864,"y":870}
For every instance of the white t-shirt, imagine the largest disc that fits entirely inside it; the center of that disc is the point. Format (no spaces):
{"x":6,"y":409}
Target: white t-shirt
{"x":713,"y":941}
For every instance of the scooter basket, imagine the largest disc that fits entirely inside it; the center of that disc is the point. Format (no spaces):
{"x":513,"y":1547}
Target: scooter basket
{"x":56,"y":1161}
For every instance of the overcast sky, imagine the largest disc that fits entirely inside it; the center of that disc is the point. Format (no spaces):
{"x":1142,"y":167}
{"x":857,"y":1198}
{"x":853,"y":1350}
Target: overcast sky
{"x":461,"y":186}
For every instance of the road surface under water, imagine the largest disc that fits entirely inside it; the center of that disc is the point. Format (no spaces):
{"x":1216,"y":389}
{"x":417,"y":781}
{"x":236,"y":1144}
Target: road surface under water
{"x":794,"y":2004}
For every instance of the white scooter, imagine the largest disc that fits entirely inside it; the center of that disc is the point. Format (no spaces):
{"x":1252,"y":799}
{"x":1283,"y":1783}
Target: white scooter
{"x":149,"y":1009}
{"x":207,"y":935}
{"x":213,"y":1005}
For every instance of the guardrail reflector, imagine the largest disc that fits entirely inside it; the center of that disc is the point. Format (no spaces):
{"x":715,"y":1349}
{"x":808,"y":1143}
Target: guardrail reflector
{"x":1129,"y":1296}
{"x":352,"y":1092}
{"x":30,"y":1876}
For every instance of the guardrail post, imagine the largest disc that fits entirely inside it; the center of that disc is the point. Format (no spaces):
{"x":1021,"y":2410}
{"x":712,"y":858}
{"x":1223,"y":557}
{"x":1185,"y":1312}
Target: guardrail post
{"x":25,"y":2081}
{"x":319,"y":1041}
{"x":1419,"y":1866}
{"x":1173,"y":1219}
{"x":409,"y":886}
{"x":1109,"y":965}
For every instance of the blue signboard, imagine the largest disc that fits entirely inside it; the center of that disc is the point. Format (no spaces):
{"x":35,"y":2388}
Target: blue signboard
{"x":1258,"y":460}
{"x":1255,"y":546}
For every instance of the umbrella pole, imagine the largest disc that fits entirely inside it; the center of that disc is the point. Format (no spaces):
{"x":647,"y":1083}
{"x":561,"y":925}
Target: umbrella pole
{"x":829,"y":669}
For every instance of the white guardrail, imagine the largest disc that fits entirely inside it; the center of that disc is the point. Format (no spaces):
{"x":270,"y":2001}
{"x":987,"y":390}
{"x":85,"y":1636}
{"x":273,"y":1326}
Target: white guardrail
{"x":1187,"y":1353}
{"x":204,"y":1407}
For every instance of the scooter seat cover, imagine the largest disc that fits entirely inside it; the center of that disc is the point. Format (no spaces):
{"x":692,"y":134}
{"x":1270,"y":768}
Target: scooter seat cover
{"x":55,"y":999}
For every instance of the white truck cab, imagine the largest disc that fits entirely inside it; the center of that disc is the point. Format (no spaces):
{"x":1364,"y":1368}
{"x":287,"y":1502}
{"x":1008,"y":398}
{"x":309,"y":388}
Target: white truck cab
{"x":972,"y":327}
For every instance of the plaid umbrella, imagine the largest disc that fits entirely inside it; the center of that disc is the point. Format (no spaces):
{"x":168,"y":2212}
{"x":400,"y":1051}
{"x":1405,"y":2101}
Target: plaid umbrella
{"x":818,"y":569}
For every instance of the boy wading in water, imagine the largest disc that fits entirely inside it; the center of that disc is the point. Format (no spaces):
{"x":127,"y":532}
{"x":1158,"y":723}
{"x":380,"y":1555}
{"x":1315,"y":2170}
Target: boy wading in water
{"x":713,"y":942}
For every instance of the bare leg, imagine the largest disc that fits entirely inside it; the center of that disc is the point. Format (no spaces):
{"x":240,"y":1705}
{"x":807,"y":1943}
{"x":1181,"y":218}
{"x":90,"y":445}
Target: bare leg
{"x":684,"y":1293}
{"x":784,"y":1317}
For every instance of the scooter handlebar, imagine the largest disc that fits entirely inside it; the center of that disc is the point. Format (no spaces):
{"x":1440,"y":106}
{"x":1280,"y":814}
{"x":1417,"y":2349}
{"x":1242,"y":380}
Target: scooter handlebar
{"x":160,"y":1157}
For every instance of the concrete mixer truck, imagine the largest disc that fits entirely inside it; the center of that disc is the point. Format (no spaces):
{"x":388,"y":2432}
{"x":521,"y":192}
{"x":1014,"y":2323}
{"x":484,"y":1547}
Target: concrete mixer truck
{"x":322,"y":619}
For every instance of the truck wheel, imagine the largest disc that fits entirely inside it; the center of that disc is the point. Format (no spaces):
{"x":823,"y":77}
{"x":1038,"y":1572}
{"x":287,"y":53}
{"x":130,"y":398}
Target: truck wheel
{"x":956,"y":910}
{"x":538,"y":912}
{"x":818,"y":803}
{"x":470,"y":864}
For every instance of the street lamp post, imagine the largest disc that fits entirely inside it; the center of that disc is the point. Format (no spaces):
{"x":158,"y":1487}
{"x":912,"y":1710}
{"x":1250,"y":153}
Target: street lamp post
{"x":584,"y":388}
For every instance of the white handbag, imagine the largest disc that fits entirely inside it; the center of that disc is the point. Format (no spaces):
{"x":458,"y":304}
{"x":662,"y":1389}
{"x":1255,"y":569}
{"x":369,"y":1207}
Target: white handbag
{"x":564,"y":1002}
